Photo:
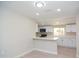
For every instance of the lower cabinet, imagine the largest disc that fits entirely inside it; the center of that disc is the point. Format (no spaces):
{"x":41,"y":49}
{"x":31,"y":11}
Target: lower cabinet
{"x":67,"y":42}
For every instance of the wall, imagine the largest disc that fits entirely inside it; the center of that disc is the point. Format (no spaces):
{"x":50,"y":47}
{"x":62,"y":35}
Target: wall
{"x":0,"y":30}
{"x":77,"y":37}
{"x":17,"y":33}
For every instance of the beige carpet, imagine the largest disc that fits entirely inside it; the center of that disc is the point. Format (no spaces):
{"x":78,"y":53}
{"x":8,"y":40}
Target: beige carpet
{"x":63,"y":52}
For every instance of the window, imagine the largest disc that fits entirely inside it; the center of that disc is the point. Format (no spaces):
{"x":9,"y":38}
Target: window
{"x":59,"y":31}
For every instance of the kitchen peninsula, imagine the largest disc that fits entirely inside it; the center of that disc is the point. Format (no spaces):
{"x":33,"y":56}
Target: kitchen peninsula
{"x":44,"y":40}
{"x":48,"y":45}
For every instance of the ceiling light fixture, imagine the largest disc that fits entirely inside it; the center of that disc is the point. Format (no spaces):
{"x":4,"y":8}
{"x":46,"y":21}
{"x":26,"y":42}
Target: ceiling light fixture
{"x":39,"y":4}
{"x":37,"y":14}
{"x":58,"y":10}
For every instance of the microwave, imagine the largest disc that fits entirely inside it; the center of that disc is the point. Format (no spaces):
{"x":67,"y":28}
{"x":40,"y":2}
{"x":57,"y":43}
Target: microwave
{"x":43,"y":30}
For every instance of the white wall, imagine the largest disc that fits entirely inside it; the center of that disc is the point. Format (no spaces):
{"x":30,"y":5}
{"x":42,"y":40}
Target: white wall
{"x":17,"y":33}
{"x":77,"y":37}
{"x":0,"y":30}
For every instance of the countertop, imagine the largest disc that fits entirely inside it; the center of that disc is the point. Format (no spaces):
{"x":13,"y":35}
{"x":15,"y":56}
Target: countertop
{"x":53,"y":38}
{"x":45,"y":38}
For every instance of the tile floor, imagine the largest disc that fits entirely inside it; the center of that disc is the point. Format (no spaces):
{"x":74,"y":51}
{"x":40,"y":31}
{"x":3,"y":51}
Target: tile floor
{"x":63,"y":52}
{"x":70,"y":52}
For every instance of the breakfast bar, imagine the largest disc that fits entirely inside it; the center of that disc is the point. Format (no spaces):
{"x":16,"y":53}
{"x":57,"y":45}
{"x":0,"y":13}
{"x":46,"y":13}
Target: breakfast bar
{"x":48,"y":45}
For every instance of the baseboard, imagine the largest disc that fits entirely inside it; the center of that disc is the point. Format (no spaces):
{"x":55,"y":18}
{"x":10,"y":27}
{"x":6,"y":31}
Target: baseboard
{"x":34,"y":50}
{"x":55,"y":53}
{"x":24,"y":53}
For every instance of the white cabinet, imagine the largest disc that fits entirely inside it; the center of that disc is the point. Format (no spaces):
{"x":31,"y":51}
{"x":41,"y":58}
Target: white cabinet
{"x":60,"y":42}
{"x":74,"y":43}
{"x":36,"y":27}
{"x":70,"y":28}
{"x":48,"y":28}
{"x":73,"y":28}
{"x":67,"y":42}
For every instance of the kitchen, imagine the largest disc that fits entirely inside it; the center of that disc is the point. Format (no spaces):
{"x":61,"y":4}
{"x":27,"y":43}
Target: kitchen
{"x":57,"y":36}
{"x":39,"y":29}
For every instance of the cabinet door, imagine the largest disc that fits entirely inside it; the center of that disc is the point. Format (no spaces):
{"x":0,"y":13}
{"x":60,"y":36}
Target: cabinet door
{"x":74,"y":43}
{"x":49,"y":29}
{"x":60,"y":42}
{"x":36,"y":27}
{"x":67,"y":43}
{"x":73,"y":28}
{"x":68,"y":28}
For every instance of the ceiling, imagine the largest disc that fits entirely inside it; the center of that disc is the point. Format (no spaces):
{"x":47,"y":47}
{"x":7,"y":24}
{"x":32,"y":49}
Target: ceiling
{"x":48,"y":14}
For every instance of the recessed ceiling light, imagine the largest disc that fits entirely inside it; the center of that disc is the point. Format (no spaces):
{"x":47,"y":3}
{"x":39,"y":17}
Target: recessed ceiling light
{"x":39,"y":4}
{"x":58,"y":9}
{"x":37,"y":14}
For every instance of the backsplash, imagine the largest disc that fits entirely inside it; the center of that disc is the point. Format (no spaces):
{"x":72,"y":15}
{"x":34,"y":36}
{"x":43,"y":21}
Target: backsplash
{"x":49,"y":34}
{"x":69,"y":35}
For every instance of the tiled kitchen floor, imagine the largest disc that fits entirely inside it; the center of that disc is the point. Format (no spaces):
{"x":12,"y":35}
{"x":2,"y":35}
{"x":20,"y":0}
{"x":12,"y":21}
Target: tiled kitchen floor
{"x":70,"y":52}
{"x":63,"y":52}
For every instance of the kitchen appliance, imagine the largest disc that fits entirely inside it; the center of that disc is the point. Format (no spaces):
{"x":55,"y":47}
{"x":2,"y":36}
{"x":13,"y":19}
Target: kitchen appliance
{"x":43,"y":35}
{"x":43,"y":30}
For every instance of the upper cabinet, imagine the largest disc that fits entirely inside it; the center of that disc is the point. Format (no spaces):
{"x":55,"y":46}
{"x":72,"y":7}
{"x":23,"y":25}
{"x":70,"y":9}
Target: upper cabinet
{"x":48,"y":28}
{"x":36,"y":27}
{"x":71,"y":28}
